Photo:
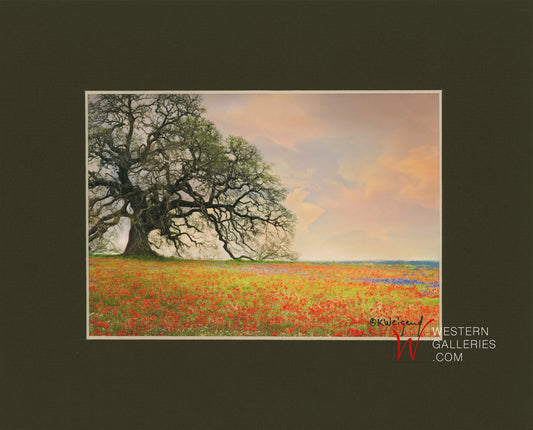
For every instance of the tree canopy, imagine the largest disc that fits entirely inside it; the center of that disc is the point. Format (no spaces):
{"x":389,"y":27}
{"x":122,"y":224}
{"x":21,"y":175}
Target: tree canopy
{"x":154,"y":159}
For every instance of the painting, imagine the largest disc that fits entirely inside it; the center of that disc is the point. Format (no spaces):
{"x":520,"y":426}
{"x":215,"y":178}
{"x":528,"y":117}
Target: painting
{"x":295,"y":215}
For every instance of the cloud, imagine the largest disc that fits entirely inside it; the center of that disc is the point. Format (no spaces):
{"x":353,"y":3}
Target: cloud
{"x":411,"y":176}
{"x":361,"y":169}
{"x":354,"y":208}
{"x":418,"y":175}
{"x":305,"y":212}
{"x":284,"y":118}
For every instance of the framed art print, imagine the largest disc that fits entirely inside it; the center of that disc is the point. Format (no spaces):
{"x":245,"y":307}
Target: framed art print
{"x":264,"y":215}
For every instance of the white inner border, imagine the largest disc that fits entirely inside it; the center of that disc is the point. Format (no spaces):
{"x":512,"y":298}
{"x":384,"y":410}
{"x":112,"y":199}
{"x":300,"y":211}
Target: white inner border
{"x":311,"y":338}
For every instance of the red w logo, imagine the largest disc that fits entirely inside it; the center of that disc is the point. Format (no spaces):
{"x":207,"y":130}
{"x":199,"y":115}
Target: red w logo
{"x":410,"y":340}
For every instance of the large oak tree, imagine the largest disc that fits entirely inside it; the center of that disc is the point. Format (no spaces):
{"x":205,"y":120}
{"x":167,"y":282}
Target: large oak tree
{"x":155,"y":160}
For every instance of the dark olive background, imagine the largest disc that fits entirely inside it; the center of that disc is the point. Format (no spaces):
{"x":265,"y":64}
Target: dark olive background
{"x":478,"y":53}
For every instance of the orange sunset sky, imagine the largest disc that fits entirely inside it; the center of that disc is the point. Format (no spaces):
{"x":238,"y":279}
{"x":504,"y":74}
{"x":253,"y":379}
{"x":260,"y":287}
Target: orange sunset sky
{"x":361,"y":169}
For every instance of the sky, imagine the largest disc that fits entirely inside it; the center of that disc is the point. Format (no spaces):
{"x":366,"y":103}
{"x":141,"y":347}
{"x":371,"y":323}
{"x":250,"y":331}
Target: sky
{"x":361,"y":170}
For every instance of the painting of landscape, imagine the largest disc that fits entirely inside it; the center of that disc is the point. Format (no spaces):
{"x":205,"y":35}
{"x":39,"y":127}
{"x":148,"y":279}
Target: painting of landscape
{"x":295,"y":215}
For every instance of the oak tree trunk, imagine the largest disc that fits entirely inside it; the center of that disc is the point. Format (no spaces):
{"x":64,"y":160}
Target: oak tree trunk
{"x":138,"y":243}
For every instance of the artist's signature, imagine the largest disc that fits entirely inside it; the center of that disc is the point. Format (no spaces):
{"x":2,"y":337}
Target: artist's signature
{"x":394,"y":322}
{"x":397,"y":322}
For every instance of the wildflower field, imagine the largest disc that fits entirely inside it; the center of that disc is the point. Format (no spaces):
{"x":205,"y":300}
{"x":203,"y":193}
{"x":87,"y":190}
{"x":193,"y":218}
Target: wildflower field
{"x":140,"y":297}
